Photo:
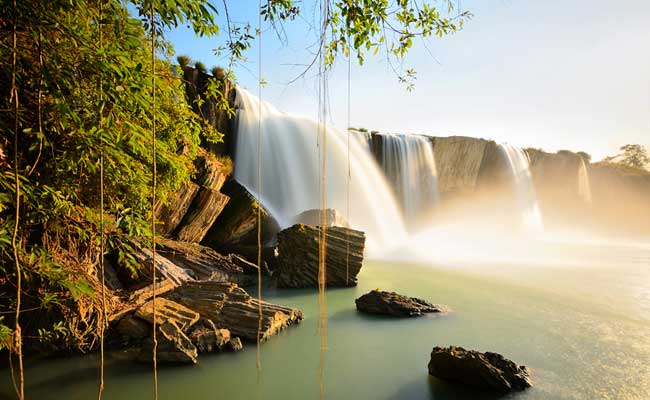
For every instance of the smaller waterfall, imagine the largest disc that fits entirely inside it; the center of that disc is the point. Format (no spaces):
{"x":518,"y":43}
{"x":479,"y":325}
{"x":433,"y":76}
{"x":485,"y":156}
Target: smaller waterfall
{"x":524,"y":190}
{"x":364,"y":138}
{"x":409,"y":164}
{"x":584,"y":185}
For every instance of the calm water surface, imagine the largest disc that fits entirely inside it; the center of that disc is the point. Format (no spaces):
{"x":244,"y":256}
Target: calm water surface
{"x":583,"y":328}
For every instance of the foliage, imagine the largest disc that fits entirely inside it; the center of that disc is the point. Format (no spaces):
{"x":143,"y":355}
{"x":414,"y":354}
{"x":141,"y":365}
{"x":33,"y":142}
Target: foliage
{"x":586,"y":157}
{"x":183,"y":60}
{"x":200,"y":66}
{"x":218,"y":73}
{"x":79,"y":101}
{"x":634,"y":155}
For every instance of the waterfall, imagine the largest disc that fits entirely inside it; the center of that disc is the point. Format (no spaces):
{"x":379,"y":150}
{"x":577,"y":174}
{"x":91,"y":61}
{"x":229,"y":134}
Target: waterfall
{"x":410,"y":166}
{"x":364,"y":138}
{"x":290,"y":171}
{"x":524,"y":190}
{"x":584,"y":186}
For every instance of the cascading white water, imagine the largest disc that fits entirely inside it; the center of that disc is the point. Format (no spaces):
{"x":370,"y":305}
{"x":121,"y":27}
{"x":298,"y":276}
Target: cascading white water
{"x":409,"y":163}
{"x":525,"y":195}
{"x":290,"y":171}
{"x":363,"y":137}
{"x":584,"y":185}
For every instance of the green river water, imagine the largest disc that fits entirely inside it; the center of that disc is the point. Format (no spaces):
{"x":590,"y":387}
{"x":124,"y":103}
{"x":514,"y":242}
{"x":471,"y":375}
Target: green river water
{"x":583,"y":329}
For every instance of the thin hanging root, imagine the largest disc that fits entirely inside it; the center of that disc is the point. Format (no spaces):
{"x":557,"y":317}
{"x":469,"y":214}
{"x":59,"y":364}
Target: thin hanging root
{"x":347,"y":232}
{"x":258,"y":355}
{"x":17,"y":339}
{"x":101,"y":324}
{"x":153,"y":199}
{"x":322,"y":251}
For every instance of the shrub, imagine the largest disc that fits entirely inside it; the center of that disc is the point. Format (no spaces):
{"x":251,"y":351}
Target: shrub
{"x":218,"y":72}
{"x":200,"y":66}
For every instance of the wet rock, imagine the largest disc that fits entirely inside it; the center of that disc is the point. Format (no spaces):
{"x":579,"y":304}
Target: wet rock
{"x":207,"y":338}
{"x":395,"y":305}
{"x":133,"y":329}
{"x":235,"y":344}
{"x":173,"y":346}
{"x":313,"y":217}
{"x":298,"y":249}
{"x":205,"y":209}
{"x":167,"y":310}
{"x":230,"y":307}
{"x":236,"y":226}
{"x":487,"y":370}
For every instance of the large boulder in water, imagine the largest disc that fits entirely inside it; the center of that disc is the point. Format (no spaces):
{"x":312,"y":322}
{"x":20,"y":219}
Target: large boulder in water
{"x":298,"y":249}
{"x":395,"y":305}
{"x":487,"y":370}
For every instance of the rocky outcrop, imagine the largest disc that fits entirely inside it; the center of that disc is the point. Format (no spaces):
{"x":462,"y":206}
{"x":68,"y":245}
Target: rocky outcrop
{"x":205,"y":209}
{"x":298,"y":249}
{"x":236,"y":227}
{"x":230,"y":307}
{"x":313,"y":217}
{"x":620,"y":199}
{"x":171,"y":213}
{"x":490,"y":371}
{"x":174,"y":346}
{"x":208,"y":338}
{"x":211,"y":171}
{"x":204,"y":263}
{"x":167,"y":310}
{"x":211,"y":108}
{"x":395,"y":305}
{"x":459,"y":161}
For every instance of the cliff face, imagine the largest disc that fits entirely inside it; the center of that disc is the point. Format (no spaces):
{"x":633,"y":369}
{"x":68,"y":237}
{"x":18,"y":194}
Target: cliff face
{"x":621,"y":198}
{"x":459,"y":160}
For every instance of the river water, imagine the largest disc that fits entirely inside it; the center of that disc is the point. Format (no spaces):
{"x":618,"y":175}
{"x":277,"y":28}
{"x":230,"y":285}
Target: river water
{"x":583,"y":327}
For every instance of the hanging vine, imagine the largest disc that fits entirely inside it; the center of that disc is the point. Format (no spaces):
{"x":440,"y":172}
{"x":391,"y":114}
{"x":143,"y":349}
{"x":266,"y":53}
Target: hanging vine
{"x":17,"y":338}
{"x":102,"y":323}
{"x":259,"y":201}
{"x":153,"y":199}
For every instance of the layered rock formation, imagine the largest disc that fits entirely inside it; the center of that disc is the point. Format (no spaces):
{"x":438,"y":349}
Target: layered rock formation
{"x":230,"y":307}
{"x":490,"y":371}
{"x":395,"y":305}
{"x":298,"y":255}
{"x":235,"y":231}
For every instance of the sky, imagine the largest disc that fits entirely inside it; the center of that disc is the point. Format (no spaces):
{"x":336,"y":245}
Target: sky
{"x":551,"y":74}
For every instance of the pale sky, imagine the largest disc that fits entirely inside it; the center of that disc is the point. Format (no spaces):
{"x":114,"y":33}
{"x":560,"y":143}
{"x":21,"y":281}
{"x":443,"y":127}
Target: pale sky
{"x":572,"y":74}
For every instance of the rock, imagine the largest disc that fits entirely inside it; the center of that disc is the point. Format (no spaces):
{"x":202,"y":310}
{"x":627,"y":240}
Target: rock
{"x":313,"y":217}
{"x":211,"y":171}
{"x":133,"y":329}
{"x":167,"y":310}
{"x":207,"y":264}
{"x":230,"y":307}
{"x":207,"y":338}
{"x":236,"y":226}
{"x":170,"y":214}
{"x":235,"y":344}
{"x":205,"y":209}
{"x":395,"y":305}
{"x":482,"y":370}
{"x":173,"y":346}
{"x":298,"y":249}
{"x":164,"y":267}
{"x":140,"y":297}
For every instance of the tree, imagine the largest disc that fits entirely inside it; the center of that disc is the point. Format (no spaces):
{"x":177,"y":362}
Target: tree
{"x":634,"y":155}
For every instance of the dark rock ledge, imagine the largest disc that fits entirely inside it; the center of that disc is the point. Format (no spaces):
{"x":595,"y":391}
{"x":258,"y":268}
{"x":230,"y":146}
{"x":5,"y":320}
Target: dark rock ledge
{"x":490,"y":371}
{"x":395,"y":305}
